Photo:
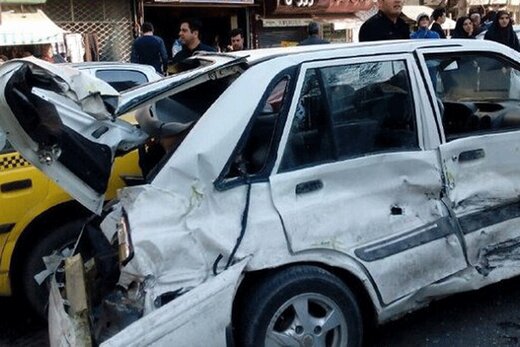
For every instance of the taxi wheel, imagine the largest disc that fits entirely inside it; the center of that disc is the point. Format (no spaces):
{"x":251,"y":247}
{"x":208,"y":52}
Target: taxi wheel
{"x":59,"y":241}
{"x":300,"y":306}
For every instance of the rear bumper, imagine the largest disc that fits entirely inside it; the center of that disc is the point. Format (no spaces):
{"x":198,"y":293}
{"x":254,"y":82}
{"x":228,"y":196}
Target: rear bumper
{"x":197,"y":318}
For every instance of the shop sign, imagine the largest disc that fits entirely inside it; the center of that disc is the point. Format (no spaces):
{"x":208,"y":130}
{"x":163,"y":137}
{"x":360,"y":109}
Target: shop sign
{"x":209,"y":2}
{"x":316,"y":7}
{"x":285,"y":22}
{"x":299,"y":3}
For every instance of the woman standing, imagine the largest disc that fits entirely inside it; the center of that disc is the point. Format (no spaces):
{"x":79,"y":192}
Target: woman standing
{"x":501,"y":31}
{"x":463,"y":29}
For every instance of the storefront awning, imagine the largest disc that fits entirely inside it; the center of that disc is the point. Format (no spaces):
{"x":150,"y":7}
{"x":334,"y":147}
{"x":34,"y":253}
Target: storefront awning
{"x":412,"y":12}
{"x":28,"y":29}
{"x":23,"y":2}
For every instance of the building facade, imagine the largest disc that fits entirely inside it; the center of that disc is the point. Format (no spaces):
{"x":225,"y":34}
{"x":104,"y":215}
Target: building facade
{"x":106,"y":25}
{"x":283,"y":22}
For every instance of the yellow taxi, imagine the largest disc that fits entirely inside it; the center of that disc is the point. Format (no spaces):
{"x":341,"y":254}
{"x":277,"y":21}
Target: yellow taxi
{"x":37,"y":217}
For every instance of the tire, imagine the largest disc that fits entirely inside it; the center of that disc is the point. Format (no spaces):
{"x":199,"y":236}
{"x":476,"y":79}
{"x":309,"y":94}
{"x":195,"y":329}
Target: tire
{"x":299,"y":306}
{"x":61,"y":240}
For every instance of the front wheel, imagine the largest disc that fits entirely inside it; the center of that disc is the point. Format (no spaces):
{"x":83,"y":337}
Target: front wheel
{"x":60,"y":241}
{"x":300,"y":306}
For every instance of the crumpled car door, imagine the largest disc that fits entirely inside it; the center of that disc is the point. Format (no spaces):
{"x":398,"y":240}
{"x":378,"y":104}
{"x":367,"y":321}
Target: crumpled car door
{"x":67,"y":123}
{"x":481,"y":124}
{"x":352,"y":180}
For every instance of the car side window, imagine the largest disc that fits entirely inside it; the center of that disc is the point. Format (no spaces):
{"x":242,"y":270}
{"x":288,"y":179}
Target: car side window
{"x":122,"y":80}
{"x":349,"y":111}
{"x":480,"y":93}
{"x":252,"y":156}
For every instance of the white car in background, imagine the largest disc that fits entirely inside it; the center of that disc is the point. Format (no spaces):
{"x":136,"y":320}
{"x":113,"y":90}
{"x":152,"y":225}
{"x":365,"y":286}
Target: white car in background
{"x":38,"y":217}
{"x":306,"y":191}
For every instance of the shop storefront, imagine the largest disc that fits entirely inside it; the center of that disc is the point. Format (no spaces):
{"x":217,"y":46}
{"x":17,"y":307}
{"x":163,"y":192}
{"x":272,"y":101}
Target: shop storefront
{"x":283,"y":22}
{"x":23,"y":33}
{"x":105,"y":26}
{"x":26,"y":30}
{"x":218,"y":17}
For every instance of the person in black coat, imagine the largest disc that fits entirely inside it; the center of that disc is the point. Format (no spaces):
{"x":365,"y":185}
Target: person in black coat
{"x":501,"y":31}
{"x":439,"y":17}
{"x":150,"y":50}
{"x":386,"y":24}
{"x":463,"y":28}
{"x":313,"y":29}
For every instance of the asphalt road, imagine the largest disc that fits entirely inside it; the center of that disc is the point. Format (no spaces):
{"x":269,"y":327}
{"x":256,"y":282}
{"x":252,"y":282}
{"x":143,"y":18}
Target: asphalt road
{"x":18,"y":328}
{"x":489,"y":317}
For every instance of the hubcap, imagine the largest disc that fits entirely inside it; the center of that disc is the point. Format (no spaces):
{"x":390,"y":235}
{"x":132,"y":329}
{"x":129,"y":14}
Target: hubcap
{"x":307,"y":320}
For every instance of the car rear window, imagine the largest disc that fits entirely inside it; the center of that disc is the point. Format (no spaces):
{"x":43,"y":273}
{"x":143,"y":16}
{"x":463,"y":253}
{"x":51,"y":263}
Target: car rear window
{"x":122,"y":79}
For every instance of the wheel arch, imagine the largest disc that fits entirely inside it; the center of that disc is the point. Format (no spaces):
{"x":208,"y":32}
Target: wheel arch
{"x":51,"y":218}
{"x":353,"y":282}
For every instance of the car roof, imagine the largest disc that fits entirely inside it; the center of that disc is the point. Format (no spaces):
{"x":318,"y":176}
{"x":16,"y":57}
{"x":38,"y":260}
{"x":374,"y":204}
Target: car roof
{"x":314,"y":52}
{"x":111,"y":65}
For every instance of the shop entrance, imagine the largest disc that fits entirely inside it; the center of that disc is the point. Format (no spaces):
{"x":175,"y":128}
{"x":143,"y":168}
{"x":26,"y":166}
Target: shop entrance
{"x":217,"y":23}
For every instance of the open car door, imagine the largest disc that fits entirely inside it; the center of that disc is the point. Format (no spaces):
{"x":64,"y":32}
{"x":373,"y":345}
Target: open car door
{"x":66,"y":123}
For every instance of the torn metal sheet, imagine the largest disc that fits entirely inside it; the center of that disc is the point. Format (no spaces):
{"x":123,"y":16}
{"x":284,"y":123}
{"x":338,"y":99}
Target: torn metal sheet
{"x":80,"y":87}
{"x":207,"y":308}
{"x":63,"y":330}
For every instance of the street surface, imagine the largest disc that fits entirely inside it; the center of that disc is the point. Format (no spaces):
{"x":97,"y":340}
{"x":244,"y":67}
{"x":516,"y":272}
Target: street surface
{"x":489,"y":317}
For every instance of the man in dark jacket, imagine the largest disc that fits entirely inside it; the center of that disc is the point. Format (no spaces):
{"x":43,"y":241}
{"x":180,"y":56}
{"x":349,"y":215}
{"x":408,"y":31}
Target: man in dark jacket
{"x":150,"y":50}
{"x":313,"y":29}
{"x":439,"y":17}
{"x":386,"y":24}
{"x":189,"y":35}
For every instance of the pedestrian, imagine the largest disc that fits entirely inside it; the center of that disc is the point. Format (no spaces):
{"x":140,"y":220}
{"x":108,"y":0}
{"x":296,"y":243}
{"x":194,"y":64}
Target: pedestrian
{"x":489,"y":18}
{"x":149,"y":49}
{"x":423,"y":22}
{"x":439,"y":17}
{"x":477,"y":23}
{"x":48,"y":55}
{"x":386,"y":24}
{"x":313,"y":29}
{"x":237,"y":40}
{"x":502,"y":31}
{"x":463,"y":29}
{"x":189,"y":35}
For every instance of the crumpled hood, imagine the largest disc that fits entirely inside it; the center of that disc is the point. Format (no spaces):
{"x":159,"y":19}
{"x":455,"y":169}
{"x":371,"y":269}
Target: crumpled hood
{"x":80,"y":87}
{"x":172,"y":252}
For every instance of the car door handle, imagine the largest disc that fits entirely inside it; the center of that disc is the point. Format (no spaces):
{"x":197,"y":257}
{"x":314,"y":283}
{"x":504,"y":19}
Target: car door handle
{"x":15,"y":186}
{"x":309,"y":186}
{"x":473,"y":154}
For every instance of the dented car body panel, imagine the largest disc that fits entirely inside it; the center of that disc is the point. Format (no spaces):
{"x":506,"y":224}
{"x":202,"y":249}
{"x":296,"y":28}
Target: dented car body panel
{"x":383,"y":164}
{"x":171,"y":324}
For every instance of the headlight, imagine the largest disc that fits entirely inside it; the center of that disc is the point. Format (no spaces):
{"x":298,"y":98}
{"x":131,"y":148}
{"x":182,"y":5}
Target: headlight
{"x":126,"y":249}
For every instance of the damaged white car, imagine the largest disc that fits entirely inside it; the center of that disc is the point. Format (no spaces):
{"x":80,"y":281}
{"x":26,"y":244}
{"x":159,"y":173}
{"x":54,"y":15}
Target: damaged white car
{"x":293,"y":197}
